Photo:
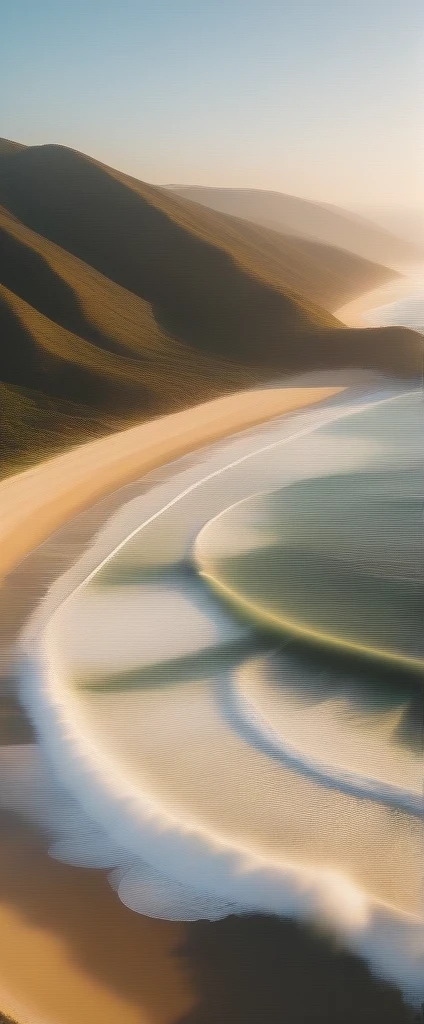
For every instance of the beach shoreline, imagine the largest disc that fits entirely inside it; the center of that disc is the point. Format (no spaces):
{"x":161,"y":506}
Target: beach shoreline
{"x":354,"y":313}
{"x":74,"y":952}
{"x":41,"y":499}
{"x":46,"y":499}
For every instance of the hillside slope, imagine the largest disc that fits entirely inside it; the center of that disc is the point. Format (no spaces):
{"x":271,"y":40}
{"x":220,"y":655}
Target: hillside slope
{"x":329,"y":225}
{"x":8,"y":147}
{"x":319,"y":273}
{"x":119,"y":301}
{"x":184,"y":262}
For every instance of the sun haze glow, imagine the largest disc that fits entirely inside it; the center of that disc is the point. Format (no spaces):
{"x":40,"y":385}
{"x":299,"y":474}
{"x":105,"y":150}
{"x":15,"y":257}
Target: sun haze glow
{"x":319,"y":98}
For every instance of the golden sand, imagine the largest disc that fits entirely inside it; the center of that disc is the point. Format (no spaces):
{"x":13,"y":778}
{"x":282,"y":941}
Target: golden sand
{"x":70,"y":952}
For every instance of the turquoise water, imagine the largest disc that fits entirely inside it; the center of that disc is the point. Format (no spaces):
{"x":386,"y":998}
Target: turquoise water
{"x":338,"y":559}
{"x":331,"y":563}
{"x":242,"y":769}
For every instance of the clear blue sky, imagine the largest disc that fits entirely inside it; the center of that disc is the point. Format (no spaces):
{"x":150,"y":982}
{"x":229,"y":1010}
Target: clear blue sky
{"x":320,"y":98}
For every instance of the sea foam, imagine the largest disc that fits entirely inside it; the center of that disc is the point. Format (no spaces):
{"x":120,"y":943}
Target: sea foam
{"x":122,"y":828}
{"x":170,"y":866}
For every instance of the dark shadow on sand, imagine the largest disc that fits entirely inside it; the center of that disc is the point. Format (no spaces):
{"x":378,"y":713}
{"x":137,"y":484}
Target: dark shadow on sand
{"x":263,"y":970}
{"x":241,"y":970}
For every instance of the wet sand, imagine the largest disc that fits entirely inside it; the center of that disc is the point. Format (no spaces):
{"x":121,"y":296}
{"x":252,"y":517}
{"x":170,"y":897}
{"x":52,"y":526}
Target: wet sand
{"x":354,"y":313}
{"x":70,"y":952}
{"x":75,"y":954}
{"x":36,"y":502}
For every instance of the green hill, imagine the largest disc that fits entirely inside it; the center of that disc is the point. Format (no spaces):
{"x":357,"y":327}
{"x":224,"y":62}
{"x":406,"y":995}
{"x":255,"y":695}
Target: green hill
{"x":119,"y":301}
{"x":7,"y":146}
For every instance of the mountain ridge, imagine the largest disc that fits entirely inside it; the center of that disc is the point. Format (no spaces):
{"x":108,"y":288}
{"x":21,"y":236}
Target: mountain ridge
{"x":119,"y":301}
{"x":326,"y":222}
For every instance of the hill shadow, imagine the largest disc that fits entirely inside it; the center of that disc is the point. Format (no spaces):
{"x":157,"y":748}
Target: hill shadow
{"x":26,"y":273}
{"x":197,"y":291}
{"x":26,"y":362}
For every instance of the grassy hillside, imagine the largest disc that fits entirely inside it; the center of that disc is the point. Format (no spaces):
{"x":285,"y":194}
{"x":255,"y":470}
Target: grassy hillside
{"x":119,"y":301}
{"x":7,"y":146}
{"x":34,"y":426}
{"x":318,"y":273}
{"x":322,"y":274}
{"x":303,"y":218}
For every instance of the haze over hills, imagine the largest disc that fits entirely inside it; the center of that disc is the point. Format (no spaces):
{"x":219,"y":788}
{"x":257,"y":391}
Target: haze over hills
{"x":321,"y":273}
{"x":303,"y":218}
{"x":120,"y":300}
{"x":406,"y":223}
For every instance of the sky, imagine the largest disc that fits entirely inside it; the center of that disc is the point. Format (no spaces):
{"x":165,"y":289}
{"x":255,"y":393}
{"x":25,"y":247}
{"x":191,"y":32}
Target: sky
{"x":317,"y":98}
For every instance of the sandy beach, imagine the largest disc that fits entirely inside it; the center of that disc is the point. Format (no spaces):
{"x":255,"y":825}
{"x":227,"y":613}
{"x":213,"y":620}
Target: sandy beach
{"x":354,"y":314}
{"x":211,"y":513}
{"x":36,"y":502}
{"x":71,"y":951}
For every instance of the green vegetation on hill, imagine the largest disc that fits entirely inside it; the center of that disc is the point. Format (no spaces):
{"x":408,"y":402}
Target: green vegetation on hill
{"x":7,"y":146}
{"x":34,"y":426}
{"x":200,"y":279}
{"x":119,"y":301}
{"x":323,"y":274}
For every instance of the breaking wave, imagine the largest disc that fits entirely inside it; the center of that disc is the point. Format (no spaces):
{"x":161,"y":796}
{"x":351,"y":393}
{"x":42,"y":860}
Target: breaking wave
{"x":164,"y":861}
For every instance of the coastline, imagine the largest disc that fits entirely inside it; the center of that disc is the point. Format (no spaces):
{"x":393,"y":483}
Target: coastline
{"x":354,"y":313}
{"x":41,"y":499}
{"x":100,"y":789}
{"x":60,"y":898}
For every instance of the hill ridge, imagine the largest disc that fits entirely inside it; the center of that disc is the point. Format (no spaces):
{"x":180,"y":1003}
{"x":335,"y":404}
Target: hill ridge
{"x":123,"y":301}
{"x":324,"y":222}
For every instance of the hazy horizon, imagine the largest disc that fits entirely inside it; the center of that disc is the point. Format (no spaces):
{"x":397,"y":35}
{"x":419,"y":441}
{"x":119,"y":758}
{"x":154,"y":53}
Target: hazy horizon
{"x":314,"y":99}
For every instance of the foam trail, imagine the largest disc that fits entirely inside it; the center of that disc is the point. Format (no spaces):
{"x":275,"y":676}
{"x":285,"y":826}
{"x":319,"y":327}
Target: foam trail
{"x":149,"y":892}
{"x":150,"y":846}
{"x":180,"y":850}
{"x":242,"y":715}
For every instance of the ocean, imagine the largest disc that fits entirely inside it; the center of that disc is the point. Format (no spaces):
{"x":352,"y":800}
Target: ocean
{"x":233,"y":699}
{"x":407,"y":312}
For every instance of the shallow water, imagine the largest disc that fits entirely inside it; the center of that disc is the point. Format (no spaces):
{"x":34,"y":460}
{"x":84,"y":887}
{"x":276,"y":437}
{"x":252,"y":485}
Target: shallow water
{"x":407,"y":312}
{"x":339,"y":558}
{"x":247,"y":773}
